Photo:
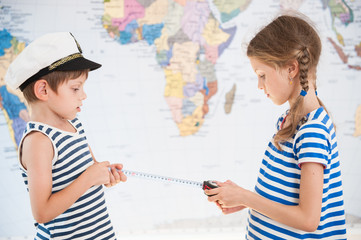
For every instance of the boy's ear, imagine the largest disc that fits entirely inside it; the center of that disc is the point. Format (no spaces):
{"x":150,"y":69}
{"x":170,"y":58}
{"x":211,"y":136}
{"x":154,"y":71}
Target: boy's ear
{"x":40,"y":89}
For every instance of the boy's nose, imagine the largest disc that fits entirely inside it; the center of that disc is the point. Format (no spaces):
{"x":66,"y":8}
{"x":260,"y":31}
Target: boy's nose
{"x":84,"y":96}
{"x":260,"y":84}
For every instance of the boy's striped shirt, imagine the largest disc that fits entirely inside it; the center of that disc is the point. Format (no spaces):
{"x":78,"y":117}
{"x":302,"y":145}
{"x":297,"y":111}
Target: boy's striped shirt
{"x":88,"y":217}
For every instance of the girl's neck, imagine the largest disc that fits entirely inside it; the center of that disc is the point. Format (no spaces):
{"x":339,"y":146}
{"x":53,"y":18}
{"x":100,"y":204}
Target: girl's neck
{"x":310,"y":101}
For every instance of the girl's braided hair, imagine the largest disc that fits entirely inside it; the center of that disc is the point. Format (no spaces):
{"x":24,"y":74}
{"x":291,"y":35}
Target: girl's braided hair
{"x":278,"y":44}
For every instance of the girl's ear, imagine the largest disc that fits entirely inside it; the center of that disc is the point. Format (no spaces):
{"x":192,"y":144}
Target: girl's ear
{"x":293,"y":69}
{"x":40,"y":89}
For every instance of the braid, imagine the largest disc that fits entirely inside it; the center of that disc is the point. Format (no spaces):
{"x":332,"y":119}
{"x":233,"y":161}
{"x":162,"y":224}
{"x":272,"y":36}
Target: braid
{"x":285,"y":39}
{"x":294,"y":113}
{"x":304,"y":60}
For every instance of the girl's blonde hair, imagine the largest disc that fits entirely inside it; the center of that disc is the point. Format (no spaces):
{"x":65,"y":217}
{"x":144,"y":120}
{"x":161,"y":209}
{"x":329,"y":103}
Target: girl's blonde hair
{"x":285,"y":39}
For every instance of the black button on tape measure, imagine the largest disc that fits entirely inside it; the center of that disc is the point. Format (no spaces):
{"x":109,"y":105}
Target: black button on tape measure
{"x":207,"y":185}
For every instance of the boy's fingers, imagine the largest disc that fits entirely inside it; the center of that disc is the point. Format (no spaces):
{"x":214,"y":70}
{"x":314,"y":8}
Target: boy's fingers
{"x":118,"y":166}
{"x":115,"y":174}
{"x":123,"y":177}
{"x":112,"y":179}
{"x":105,"y":163}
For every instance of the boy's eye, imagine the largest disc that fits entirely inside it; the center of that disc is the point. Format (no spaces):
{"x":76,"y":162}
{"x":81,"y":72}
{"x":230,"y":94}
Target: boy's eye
{"x":261,"y":76}
{"x":76,"y":89}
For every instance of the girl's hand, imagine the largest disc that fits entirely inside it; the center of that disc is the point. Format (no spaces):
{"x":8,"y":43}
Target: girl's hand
{"x":232,"y":210}
{"x":227,"y":195}
{"x":98,"y":173}
{"x":116,"y":175}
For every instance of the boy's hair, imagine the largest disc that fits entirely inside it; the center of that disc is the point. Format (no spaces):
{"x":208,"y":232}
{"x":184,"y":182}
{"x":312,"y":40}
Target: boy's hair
{"x":279,"y":43}
{"x":54,"y":79}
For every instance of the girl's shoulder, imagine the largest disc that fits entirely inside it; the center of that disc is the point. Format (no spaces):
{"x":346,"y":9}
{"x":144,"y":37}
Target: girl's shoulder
{"x":317,"y":128}
{"x":319,"y":118}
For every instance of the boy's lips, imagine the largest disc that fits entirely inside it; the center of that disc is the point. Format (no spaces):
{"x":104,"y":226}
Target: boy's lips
{"x":79,"y":108}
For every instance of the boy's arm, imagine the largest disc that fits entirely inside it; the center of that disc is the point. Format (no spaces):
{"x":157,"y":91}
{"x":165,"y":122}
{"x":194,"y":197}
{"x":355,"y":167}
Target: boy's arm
{"x":37,"y":155}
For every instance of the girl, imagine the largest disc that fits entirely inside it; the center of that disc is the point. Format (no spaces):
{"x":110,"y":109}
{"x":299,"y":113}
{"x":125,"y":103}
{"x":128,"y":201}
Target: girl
{"x":299,"y":193}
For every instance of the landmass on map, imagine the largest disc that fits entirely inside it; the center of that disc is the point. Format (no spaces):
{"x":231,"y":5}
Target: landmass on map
{"x":11,"y":101}
{"x":343,"y":56}
{"x":230,"y":99}
{"x":189,"y":41}
{"x":340,"y":11}
{"x":358,"y":122}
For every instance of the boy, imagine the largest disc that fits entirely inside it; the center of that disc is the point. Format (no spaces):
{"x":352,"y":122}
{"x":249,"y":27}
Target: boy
{"x":63,"y":179}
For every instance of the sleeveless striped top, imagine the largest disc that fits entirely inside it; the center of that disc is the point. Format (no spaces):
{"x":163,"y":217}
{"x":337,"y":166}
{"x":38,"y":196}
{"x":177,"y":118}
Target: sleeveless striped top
{"x":279,"y":180}
{"x":88,"y":217}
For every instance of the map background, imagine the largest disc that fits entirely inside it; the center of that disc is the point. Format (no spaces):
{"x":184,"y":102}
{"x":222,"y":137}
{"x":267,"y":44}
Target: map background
{"x":127,"y":120}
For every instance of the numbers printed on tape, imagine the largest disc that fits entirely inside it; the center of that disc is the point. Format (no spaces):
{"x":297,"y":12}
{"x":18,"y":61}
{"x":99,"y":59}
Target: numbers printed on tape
{"x":162,"y":178}
{"x":205,"y":185}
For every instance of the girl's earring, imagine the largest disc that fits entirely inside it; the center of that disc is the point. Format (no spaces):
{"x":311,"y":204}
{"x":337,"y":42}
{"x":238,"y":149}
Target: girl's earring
{"x":291,"y":80}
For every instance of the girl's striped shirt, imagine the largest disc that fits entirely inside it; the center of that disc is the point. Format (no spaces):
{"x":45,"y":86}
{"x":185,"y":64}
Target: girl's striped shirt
{"x":279,"y":180}
{"x":88,"y":217}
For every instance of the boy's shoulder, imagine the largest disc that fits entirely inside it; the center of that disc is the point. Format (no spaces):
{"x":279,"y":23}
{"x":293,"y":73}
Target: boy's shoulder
{"x":36,"y":144}
{"x":36,"y":138}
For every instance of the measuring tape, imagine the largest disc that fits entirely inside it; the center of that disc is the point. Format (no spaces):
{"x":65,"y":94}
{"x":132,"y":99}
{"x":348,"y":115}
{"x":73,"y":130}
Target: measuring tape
{"x":205,"y":185}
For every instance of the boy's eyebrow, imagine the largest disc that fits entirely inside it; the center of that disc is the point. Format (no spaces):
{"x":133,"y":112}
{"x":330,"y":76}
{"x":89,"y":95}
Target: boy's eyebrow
{"x":77,"y":83}
{"x":73,"y":81}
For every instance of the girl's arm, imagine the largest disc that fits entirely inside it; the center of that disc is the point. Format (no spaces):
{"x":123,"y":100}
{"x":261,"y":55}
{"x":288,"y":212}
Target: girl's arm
{"x":37,"y":155}
{"x":304,"y":216}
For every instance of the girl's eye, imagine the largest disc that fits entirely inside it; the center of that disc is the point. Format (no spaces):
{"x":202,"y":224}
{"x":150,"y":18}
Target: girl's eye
{"x":76,"y":89}
{"x":261,"y":76}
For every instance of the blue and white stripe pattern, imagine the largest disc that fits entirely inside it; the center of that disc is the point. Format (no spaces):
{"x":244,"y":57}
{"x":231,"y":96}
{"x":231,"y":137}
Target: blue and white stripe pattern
{"x":279,"y":180}
{"x":88,"y":217}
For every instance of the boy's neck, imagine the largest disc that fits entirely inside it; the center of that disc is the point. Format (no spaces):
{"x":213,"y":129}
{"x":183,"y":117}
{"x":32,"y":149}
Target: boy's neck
{"x":42,"y":114}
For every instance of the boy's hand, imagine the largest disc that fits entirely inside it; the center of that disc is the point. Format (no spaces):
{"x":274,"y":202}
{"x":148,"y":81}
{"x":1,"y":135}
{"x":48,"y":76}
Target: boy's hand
{"x":98,"y":173}
{"x":116,"y":175}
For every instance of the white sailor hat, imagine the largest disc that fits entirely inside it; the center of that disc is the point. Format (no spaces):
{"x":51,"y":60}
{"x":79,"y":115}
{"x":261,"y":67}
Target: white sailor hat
{"x":51,"y":52}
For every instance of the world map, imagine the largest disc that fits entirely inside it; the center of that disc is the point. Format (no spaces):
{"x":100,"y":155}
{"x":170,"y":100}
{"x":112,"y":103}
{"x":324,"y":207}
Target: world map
{"x":188,"y":40}
{"x":176,"y":96}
